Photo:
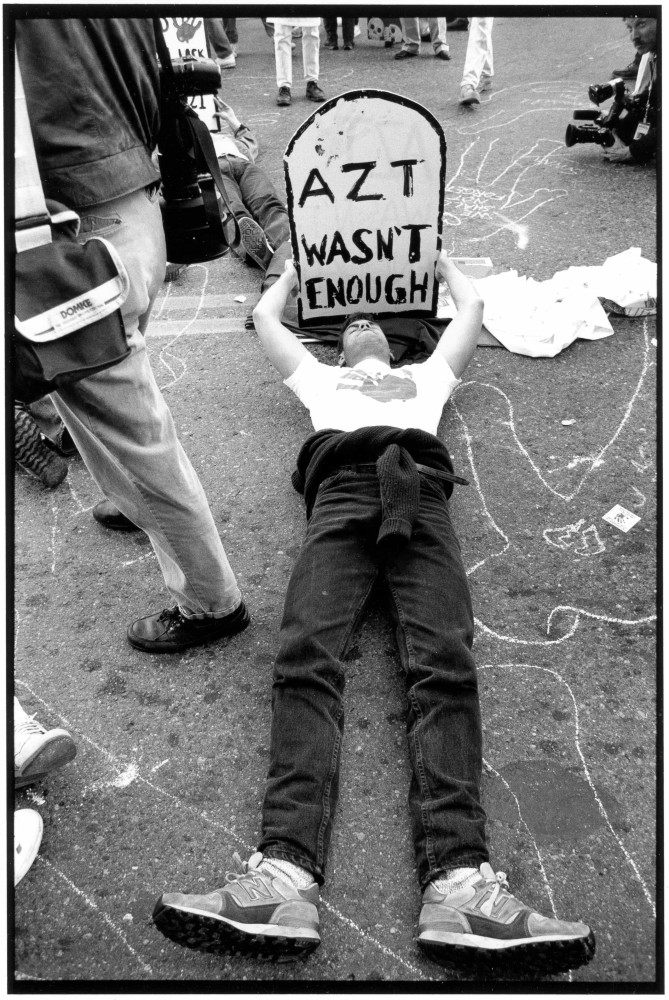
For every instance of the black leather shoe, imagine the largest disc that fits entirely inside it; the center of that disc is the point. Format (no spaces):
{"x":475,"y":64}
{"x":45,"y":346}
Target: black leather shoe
{"x":405,"y":54}
{"x":171,"y":632}
{"x":314,"y":92}
{"x":109,"y":516}
{"x":630,"y":71}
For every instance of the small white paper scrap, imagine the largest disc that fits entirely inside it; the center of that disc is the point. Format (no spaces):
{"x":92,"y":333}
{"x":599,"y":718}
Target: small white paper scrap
{"x":621,"y":518}
{"x":568,"y":423}
{"x":240,"y":298}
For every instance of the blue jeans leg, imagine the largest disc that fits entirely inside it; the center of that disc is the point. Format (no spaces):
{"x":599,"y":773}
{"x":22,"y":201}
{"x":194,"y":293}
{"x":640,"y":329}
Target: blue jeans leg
{"x":125,"y":434}
{"x":329,"y":586}
{"x":434,"y":627}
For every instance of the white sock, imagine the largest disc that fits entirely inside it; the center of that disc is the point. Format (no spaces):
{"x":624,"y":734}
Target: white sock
{"x":456,"y":879}
{"x":296,"y":876}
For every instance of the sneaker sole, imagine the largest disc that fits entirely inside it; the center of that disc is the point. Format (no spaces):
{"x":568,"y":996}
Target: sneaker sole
{"x":537,"y":956}
{"x":254,"y":242}
{"x":206,"y":932}
{"x":55,"y":754}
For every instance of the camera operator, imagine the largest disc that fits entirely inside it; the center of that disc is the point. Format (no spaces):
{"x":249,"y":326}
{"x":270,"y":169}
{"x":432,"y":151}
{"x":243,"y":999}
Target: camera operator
{"x":93,"y":95}
{"x":640,"y":145}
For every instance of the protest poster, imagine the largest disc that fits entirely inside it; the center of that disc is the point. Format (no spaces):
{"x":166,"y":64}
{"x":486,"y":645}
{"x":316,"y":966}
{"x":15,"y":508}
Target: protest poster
{"x":365,"y":180}
{"x":185,"y":39}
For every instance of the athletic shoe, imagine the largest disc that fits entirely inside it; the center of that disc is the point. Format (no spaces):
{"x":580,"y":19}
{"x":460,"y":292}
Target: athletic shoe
{"x":457,"y":24}
{"x":314,"y":92}
{"x":443,"y":53}
{"x":32,"y":454}
{"x":254,"y":241}
{"x":331,"y":43}
{"x":255,"y":913}
{"x":469,"y":95}
{"x":228,"y":62}
{"x":28,"y":828}
{"x":38,"y":751}
{"x":405,"y":54}
{"x":485,"y":83}
{"x":483,"y":923}
{"x":283,"y":97}
{"x":170,"y":631}
{"x":348,"y":46}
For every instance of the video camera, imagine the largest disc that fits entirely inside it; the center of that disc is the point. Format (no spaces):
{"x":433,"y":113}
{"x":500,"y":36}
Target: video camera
{"x":624,"y":115}
{"x":191,"y":204}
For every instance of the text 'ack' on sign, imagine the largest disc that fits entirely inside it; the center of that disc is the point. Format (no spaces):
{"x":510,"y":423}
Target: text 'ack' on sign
{"x":365,"y":180}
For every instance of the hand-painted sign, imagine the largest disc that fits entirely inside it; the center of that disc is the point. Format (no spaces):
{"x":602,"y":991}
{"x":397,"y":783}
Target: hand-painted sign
{"x":365,"y":182}
{"x":186,"y":39}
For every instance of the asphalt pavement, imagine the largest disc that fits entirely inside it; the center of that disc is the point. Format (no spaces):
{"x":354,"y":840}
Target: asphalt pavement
{"x":173,"y":750}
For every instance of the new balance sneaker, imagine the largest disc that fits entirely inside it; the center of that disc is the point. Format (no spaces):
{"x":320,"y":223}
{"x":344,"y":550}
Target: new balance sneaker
{"x":481,"y":922}
{"x":28,"y":829}
{"x":170,"y":631}
{"x":38,"y":751}
{"x":254,"y":242}
{"x":469,"y":95}
{"x":255,"y":913}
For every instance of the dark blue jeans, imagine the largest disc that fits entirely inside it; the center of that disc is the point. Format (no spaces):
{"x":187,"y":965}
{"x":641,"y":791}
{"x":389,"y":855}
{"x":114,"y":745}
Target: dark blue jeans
{"x":329,"y":587}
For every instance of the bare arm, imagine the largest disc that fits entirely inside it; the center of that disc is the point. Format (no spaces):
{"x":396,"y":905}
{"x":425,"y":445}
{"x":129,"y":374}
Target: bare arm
{"x":458,"y":343}
{"x":281,"y":346}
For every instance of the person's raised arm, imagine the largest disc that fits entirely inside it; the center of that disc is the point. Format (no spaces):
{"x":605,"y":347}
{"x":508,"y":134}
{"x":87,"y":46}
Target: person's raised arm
{"x":281,"y":346}
{"x":458,"y":342}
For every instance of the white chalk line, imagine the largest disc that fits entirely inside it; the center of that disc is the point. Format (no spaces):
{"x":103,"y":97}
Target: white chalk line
{"x":586,"y":771}
{"x":54,"y":535}
{"x":121,"y":771}
{"x":105,"y":916}
{"x":647,"y":364}
{"x":165,"y":351}
{"x":547,"y":885}
{"x":372,"y":940}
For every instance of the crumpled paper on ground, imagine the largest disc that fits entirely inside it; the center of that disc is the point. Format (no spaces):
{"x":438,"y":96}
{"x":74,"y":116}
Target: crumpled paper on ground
{"x":541,"y":318}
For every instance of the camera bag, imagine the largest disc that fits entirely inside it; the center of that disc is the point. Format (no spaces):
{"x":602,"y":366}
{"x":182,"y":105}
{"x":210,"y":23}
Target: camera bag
{"x":68,"y":295}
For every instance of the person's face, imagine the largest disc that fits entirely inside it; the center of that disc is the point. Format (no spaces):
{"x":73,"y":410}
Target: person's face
{"x":364,"y":338}
{"x":644,"y":34}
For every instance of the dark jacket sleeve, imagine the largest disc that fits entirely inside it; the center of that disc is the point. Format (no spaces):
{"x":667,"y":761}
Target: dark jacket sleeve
{"x":92,"y":88}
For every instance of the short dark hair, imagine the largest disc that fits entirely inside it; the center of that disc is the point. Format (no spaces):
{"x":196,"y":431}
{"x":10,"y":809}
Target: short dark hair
{"x":347,"y":322}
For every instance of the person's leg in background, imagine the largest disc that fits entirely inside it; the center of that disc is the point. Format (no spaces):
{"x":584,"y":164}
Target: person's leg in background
{"x":330,"y":25}
{"x":478,"y":69}
{"x":283,"y":55}
{"x":311,"y":43}
{"x":230,"y":28}
{"x":410,"y":38}
{"x":125,"y":434}
{"x":438,"y":37}
{"x":218,"y":43}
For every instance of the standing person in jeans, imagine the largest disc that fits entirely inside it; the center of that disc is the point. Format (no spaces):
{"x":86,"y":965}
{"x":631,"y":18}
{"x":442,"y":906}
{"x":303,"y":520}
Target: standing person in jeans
{"x":411,"y":35}
{"x":478,"y":69}
{"x":347,"y":32}
{"x":376,"y":481}
{"x":92,"y":89}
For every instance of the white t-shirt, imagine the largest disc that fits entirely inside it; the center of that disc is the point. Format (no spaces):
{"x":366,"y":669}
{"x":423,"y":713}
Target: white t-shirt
{"x":373,"y":394}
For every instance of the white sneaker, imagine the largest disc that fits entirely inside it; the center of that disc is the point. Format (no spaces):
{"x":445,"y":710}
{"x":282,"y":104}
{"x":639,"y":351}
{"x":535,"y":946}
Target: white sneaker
{"x":36,"y":751}
{"x":229,"y":62}
{"x":468,"y":95}
{"x":28,"y":829}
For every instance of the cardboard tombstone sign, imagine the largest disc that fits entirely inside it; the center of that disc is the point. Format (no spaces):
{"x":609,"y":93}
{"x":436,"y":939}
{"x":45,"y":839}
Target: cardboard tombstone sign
{"x":365,"y":183}
{"x":185,"y":39}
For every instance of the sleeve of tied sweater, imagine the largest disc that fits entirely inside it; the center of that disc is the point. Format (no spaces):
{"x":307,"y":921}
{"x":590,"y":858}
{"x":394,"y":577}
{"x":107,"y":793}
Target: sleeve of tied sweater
{"x":400,"y":493}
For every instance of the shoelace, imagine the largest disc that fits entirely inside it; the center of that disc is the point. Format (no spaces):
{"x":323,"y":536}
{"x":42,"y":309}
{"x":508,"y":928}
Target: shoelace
{"x":242,"y":868}
{"x":29,"y":727}
{"x":501,"y":883}
{"x":170,"y":615}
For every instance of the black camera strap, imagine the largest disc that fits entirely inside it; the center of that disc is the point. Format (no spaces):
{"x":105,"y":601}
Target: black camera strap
{"x":206,"y":159}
